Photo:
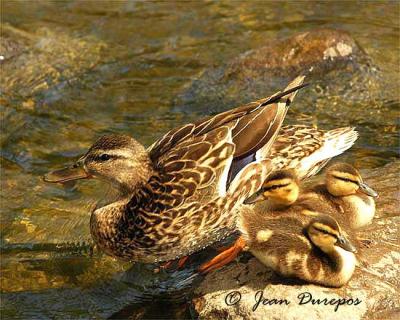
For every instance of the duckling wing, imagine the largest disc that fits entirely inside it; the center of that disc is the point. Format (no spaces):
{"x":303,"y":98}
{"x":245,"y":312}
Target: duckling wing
{"x":257,"y":228}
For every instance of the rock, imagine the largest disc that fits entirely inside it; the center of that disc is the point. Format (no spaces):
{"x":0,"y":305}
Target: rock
{"x":12,"y":46}
{"x":34,"y":62}
{"x":319,"y":54}
{"x":372,"y":293}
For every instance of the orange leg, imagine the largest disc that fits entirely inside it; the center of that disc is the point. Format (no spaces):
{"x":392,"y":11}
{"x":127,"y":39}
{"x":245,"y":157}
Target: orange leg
{"x":224,"y":257}
{"x":182,"y":262}
{"x":166,"y":265}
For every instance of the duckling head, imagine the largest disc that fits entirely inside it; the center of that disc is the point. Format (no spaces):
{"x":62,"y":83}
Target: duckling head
{"x":118,"y":159}
{"x":281,"y":187}
{"x":325,"y":233}
{"x":343,"y":179}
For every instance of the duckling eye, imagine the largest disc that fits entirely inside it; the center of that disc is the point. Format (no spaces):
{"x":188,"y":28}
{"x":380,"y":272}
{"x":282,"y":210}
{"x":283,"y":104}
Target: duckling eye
{"x":277,"y":186}
{"x":346,"y":179}
{"x":104,"y":157}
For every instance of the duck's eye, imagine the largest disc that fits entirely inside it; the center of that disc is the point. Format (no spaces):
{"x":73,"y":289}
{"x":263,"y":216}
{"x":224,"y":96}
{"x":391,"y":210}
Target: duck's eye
{"x":104,"y":157}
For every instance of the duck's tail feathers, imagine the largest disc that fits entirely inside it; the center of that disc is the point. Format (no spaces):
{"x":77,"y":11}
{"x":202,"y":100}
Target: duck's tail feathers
{"x":336,"y":142}
{"x":255,"y":132}
{"x":288,"y":94}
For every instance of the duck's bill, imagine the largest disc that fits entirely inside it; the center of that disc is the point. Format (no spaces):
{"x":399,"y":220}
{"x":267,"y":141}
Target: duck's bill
{"x":367,"y":190}
{"x":66,"y":174}
{"x":346,"y":244}
{"x":258,"y":196}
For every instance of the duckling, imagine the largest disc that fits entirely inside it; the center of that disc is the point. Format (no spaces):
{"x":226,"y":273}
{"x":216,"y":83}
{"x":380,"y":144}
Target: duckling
{"x":343,"y":191}
{"x":346,"y":192}
{"x":316,"y":252}
{"x":281,"y":188}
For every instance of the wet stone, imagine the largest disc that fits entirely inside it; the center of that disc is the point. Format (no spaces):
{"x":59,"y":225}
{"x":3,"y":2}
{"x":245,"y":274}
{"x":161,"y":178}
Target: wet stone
{"x":319,"y":54}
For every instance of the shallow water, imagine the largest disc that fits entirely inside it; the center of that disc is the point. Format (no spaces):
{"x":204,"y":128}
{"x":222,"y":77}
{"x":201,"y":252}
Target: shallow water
{"x":81,"y":69}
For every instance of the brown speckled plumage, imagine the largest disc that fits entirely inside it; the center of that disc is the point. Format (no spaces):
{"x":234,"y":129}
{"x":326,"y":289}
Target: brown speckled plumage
{"x":182,"y":197}
{"x":309,"y":149}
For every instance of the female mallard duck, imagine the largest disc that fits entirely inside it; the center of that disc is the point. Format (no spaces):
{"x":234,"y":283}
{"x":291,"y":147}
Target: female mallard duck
{"x":178,"y":195}
{"x":317,"y":252}
{"x":346,"y":192}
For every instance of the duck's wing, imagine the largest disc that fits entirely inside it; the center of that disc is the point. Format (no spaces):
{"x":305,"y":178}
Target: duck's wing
{"x":254,"y":124}
{"x":186,"y":206}
{"x":200,"y":155}
{"x":188,"y":198}
{"x":308,"y":149}
{"x":192,"y":170}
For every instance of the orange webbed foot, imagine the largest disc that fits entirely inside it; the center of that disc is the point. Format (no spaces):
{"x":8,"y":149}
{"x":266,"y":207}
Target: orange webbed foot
{"x":224,"y":257}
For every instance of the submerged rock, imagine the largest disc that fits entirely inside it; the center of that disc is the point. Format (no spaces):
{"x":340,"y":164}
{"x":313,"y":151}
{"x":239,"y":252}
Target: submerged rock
{"x":316,"y":53}
{"x":34,"y":62}
{"x":372,"y":293}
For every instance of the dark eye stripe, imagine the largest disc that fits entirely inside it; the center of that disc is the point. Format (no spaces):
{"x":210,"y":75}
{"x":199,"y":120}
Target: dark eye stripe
{"x":324,"y":231}
{"x":276,"y":186}
{"x":346,"y":179}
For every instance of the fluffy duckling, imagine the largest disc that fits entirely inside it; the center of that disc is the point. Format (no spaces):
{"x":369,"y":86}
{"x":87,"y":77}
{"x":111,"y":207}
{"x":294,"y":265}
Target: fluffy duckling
{"x":281,"y":189}
{"x":316,"y":252}
{"x":346,"y":192}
